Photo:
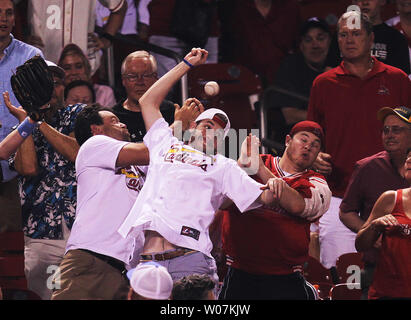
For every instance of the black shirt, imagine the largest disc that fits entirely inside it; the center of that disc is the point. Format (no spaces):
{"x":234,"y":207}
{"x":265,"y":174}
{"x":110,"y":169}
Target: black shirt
{"x":134,"y":120}
{"x":390,"y":47}
{"x":296,"y":76}
{"x":293,"y":75}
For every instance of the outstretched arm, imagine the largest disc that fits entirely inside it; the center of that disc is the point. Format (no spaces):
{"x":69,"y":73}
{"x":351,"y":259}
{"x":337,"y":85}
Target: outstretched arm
{"x":11,"y":143}
{"x":63,"y":144}
{"x":15,"y":142}
{"x":151,"y":100}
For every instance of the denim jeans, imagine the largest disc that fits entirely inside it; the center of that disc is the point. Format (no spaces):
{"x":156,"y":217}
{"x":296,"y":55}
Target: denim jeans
{"x":188,"y":264}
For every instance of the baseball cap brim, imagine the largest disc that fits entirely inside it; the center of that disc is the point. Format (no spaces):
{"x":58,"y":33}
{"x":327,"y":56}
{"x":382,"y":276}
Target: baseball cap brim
{"x":55,"y":68}
{"x":403,"y":113}
{"x":210,"y":113}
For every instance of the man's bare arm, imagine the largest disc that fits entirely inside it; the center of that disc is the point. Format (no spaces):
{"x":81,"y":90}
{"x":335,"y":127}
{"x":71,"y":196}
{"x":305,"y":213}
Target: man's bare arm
{"x":151,"y":100}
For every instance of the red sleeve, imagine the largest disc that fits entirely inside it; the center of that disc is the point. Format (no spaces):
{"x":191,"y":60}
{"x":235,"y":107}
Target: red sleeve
{"x":407,"y":91}
{"x":268,"y":161}
{"x":314,"y":113}
{"x":302,"y":184}
{"x":352,"y":199}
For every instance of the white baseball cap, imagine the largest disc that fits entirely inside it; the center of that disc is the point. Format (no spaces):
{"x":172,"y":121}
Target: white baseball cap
{"x":53,"y":67}
{"x":210,"y":114}
{"x":151,"y":280}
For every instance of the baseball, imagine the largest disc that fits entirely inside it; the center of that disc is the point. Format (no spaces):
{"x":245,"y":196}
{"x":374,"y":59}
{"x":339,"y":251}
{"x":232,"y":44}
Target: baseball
{"x":212,"y":88}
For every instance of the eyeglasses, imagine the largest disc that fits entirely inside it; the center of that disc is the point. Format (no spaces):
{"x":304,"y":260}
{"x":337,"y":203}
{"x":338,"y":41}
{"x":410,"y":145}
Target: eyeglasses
{"x":133,"y":77}
{"x":394,"y":129}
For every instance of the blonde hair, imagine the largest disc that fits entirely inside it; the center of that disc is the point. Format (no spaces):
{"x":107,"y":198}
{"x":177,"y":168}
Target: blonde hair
{"x":73,"y":49}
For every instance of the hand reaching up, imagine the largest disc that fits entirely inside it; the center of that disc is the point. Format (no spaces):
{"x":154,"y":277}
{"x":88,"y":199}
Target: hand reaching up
{"x":197,"y":56}
{"x":19,"y":112}
{"x":190,"y":110}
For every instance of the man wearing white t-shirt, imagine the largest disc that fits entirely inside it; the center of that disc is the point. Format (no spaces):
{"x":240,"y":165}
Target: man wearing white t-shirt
{"x":110,"y":173}
{"x":187,"y":184}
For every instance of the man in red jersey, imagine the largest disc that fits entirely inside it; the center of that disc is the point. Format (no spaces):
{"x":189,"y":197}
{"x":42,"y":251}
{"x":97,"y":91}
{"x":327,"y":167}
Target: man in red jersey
{"x":266,"y":250}
{"x":341,"y":101}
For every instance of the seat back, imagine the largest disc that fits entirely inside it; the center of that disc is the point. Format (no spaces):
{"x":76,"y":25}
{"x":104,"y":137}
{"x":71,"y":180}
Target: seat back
{"x":12,"y":272}
{"x":319,"y":276}
{"x":19,"y":294}
{"x":315,"y":272}
{"x":346,"y":291}
{"x":239,"y":89}
{"x":349,"y":264}
{"x":12,"y":266}
{"x":11,"y":243}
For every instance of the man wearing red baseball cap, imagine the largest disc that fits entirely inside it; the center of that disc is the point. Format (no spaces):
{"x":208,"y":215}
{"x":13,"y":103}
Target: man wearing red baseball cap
{"x":266,"y":250}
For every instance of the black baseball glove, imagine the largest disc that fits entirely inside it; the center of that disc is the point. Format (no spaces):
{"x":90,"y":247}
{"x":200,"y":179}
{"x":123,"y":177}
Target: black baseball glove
{"x":33,"y":86}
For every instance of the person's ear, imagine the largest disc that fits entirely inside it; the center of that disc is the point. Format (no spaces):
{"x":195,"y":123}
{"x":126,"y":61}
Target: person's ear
{"x":96,"y":129}
{"x":130,"y":294}
{"x":287,"y":140}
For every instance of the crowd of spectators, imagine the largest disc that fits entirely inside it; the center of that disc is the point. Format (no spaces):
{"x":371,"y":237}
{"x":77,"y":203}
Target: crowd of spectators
{"x":336,"y":94}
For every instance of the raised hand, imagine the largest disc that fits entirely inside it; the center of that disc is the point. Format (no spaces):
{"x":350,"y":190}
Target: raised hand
{"x":323,"y":163}
{"x":197,"y":56}
{"x":190,"y":110}
{"x":249,"y":153}
{"x":19,"y":112}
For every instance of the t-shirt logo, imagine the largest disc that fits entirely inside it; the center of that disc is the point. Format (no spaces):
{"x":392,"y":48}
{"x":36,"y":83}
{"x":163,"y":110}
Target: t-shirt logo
{"x":379,"y":50}
{"x":134,"y":178}
{"x":383,"y":90}
{"x":188,"y":155}
{"x":406,"y":230}
{"x":190,"y":232}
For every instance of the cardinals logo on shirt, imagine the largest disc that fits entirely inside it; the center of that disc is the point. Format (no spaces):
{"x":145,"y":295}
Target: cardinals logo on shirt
{"x":406,"y":230}
{"x":383,"y":91}
{"x":134,"y":177}
{"x":185,"y":154}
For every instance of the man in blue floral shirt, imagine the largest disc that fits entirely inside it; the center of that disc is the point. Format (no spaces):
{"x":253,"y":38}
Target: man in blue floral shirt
{"x":47,"y":184}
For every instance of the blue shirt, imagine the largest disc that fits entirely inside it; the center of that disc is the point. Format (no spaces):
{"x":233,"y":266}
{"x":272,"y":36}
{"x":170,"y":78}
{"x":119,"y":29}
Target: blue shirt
{"x":15,"y":55}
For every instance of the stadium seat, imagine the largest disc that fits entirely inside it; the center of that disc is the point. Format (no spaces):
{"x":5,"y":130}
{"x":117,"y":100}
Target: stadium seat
{"x":319,"y":276}
{"x":239,"y":90}
{"x":315,"y":272}
{"x":346,"y":291}
{"x":11,"y":243}
{"x":347,"y":264}
{"x":19,"y":294}
{"x":12,"y":266}
{"x":12,"y":272}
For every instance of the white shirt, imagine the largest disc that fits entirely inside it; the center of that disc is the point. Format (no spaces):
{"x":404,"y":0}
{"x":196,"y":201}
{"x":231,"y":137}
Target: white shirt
{"x":183,"y":190}
{"x":60,"y":22}
{"x":105,"y":195}
{"x":130,"y":20}
{"x":104,"y":95}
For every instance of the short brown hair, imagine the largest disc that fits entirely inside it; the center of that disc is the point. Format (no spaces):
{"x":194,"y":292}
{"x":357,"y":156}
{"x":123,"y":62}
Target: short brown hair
{"x":365,"y":21}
